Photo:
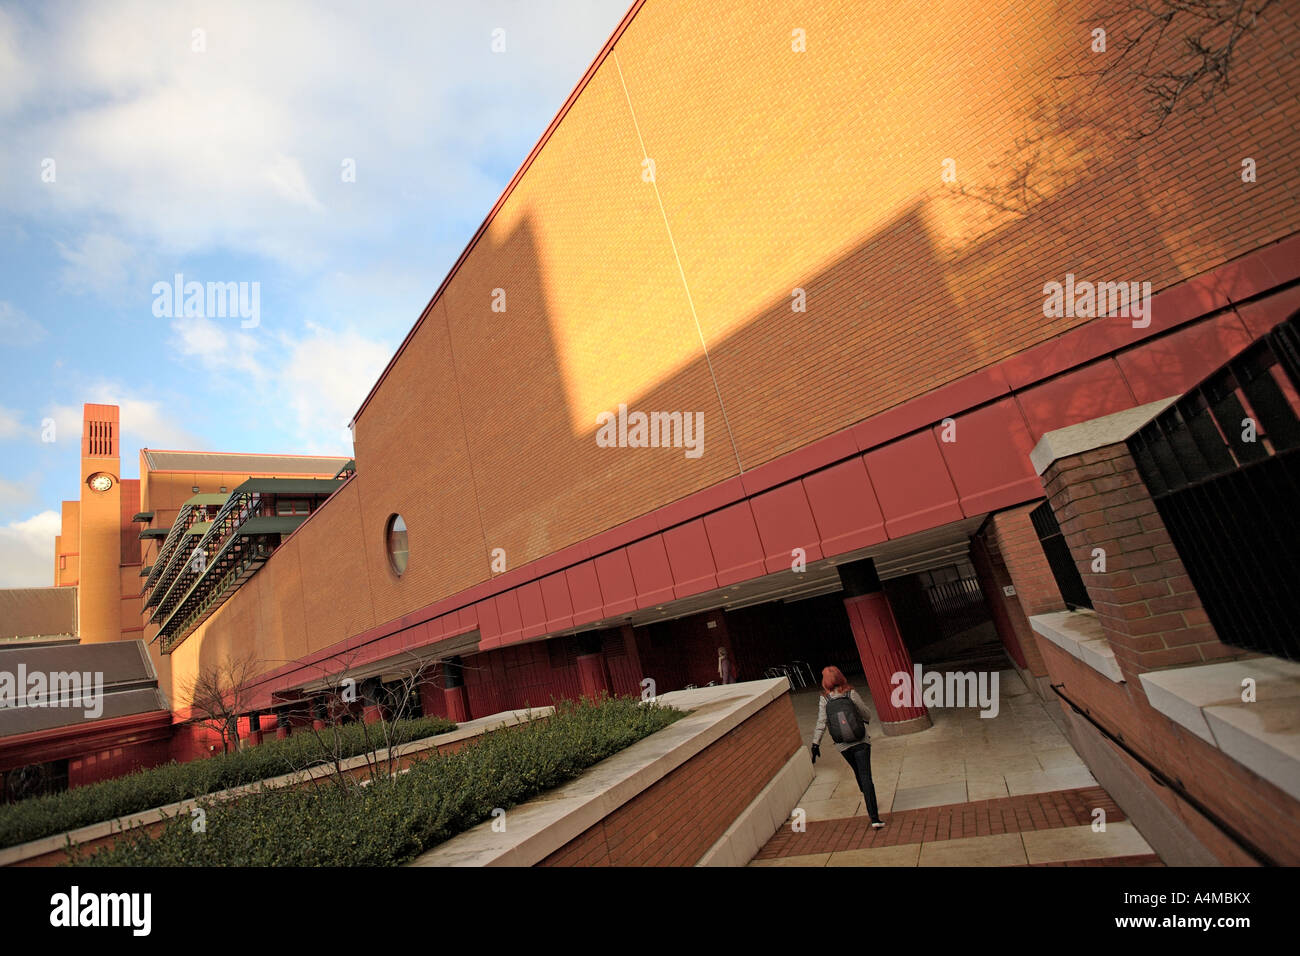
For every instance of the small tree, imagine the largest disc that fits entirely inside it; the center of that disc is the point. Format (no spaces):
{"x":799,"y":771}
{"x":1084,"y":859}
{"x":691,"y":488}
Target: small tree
{"x":219,"y":694}
{"x":396,"y":702}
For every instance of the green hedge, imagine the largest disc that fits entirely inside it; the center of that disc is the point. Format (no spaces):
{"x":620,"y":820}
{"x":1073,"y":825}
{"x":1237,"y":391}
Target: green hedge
{"x":390,"y":821}
{"x":41,"y":816}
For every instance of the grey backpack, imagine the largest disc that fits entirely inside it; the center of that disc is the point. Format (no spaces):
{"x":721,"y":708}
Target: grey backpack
{"x":844,"y":721}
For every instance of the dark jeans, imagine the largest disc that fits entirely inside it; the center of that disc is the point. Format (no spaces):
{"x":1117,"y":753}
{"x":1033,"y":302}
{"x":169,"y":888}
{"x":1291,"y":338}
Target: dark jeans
{"x":859,"y":758}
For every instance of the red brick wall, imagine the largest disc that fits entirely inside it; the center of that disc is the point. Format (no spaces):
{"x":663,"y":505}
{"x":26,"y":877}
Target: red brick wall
{"x":1144,"y":598}
{"x":675,"y":821}
{"x":1260,"y":811}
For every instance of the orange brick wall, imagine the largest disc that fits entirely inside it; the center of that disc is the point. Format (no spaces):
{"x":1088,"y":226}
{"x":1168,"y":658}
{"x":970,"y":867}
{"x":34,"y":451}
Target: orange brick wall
{"x":775,"y":170}
{"x":675,"y":821}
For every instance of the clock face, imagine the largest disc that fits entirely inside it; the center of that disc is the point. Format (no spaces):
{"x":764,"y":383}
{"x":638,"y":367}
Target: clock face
{"x":100,"y":482}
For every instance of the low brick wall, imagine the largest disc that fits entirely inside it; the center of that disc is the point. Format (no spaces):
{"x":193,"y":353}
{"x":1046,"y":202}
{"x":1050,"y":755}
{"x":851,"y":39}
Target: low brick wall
{"x":709,"y":789}
{"x":677,"y":820}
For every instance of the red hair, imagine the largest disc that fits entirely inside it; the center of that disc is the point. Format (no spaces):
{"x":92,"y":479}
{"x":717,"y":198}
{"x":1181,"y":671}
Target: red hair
{"x":834,"y":681}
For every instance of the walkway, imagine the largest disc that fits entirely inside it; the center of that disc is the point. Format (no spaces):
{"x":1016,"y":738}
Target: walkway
{"x":970,"y":791}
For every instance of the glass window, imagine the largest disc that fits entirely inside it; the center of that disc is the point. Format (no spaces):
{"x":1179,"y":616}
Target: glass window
{"x":397,"y":546}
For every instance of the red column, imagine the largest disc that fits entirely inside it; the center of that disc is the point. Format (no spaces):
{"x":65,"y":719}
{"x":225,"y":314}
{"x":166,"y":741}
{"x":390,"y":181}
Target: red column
{"x":880,"y":647}
{"x":457,"y":704}
{"x":431,"y":699}
{"x":254,"y":730}
{"x":593,"y":675}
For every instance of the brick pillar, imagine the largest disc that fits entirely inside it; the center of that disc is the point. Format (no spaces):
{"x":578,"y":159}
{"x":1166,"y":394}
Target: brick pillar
{"x":281,"y":725}
{"x":993,"y":577}
{"x":880,"y":646}
{"x":1144,"y":598}
{"x":1006,"y":553}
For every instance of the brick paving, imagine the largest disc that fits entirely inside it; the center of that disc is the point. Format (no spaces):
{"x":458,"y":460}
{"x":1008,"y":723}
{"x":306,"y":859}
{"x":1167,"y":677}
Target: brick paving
{"x":1142,"y":859}
{"x":1018,"y":814}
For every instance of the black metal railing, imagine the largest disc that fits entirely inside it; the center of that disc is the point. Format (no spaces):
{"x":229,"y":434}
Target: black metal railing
{"x":1066,"y":573}
{"x":958,"y":605}
{"x":1223,"y":466}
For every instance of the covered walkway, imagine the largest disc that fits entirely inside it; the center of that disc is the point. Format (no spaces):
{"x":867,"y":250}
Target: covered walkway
{"x":970,"y":791}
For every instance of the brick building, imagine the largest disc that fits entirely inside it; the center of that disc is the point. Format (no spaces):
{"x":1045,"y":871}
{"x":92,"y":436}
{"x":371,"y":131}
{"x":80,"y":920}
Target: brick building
{"x":833,"y":243}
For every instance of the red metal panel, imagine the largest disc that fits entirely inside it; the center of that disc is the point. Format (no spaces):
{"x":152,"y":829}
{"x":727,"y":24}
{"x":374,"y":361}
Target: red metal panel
{"x":912,"y":485}
{"x":844,"y":506}
{"x":512,"y":624}
{"x":615,"y":576}
{"x":555,"y":598}
{"x":1260,"y":316}
{"x":988,"y":457}
{"x":489,"y":624}
{"x":690,"y":559}
{"x":1172,"y":364}
{"x":650,"y":571}
{"x":733,"y":539}
{"x":532,"y":610}
{"x":785,"y":522}
{"x":1088,"y":392}
{"x":417,"y":636}
{"x":584,"y":592}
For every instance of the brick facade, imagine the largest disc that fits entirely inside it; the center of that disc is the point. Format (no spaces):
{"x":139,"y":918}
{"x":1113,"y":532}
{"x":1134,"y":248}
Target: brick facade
{"x":675,"y":821}
{"x":1144,"y":598}
{"x":481,"y":431}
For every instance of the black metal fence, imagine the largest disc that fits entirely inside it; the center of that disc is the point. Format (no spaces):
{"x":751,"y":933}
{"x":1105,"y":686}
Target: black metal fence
{"x":1064,"y":570}
{"x":1223,"y":465}
{"x":958,"y":605}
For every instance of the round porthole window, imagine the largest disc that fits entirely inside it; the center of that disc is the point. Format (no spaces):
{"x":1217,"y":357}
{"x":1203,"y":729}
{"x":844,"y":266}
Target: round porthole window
{"x":398,"y":551}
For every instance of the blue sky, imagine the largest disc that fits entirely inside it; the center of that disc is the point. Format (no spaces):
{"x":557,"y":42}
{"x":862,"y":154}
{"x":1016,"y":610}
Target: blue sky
{"x":142,"y":140}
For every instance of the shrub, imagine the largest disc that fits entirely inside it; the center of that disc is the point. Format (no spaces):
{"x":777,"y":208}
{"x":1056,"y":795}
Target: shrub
{"x":41,"y":816}
{"x":392,"y":820}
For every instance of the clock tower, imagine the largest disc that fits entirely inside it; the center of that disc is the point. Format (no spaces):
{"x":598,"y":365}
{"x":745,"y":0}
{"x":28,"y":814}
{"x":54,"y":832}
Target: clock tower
{"x":99,"y":591}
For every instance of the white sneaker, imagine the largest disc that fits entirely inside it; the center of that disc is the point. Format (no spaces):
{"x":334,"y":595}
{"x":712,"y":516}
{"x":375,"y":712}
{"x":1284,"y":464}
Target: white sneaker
{"x":877,"y":825}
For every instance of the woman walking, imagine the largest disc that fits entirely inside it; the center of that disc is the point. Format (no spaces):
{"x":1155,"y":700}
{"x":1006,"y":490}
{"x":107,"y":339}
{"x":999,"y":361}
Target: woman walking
{"x":726,"y":667}
{"x":843,"y":711}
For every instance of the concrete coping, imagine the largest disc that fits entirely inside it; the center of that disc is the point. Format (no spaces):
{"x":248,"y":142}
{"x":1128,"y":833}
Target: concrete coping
{"x":541,"y":826}
{"x":1263,"y":735}
{"x":1080,"y":634}
{"x":1094,"y":433}
{"x":94,"y":831}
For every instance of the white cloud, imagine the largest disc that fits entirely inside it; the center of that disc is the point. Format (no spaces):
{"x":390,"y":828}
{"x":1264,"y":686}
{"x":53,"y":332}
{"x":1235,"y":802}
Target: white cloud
{"x":67,"y":422}
{"x":12,"y":493}
{"x":145,"y":423}
{"x":11,"y":425}
{"x":325,"y":380}
{"x":98,"y":263}
{"x":27,"y":551}
{"x":240,"y":147}
{"x":216,"y":346}
{"x":16,"y":328}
